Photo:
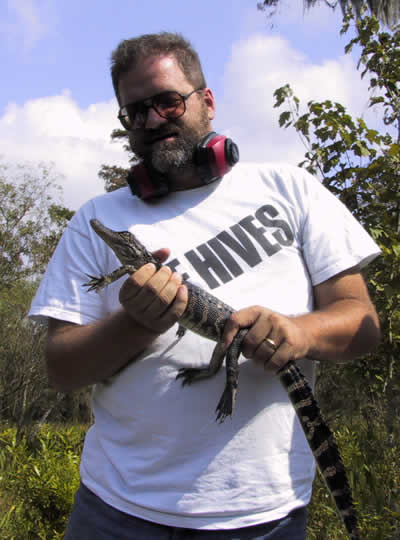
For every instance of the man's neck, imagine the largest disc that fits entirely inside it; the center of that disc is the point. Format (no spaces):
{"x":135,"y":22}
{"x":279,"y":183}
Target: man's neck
{"x":184,"y":178}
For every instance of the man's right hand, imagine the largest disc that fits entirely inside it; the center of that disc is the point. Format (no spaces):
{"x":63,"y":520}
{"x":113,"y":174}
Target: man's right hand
{"x":155,"y":299}
{"x":152,"y":301}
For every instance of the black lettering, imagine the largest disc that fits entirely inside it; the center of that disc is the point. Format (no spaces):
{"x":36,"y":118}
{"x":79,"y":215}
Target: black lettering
{"x":174,"y":267}
{"x":225,"y":257}
{"x":210,"y":262}
{"x":241,"y":245}
{"x":286,"y":240}
{"x":258,"y":234}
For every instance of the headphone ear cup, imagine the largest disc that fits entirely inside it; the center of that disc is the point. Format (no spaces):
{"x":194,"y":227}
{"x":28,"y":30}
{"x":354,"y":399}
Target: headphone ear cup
{"x":231,"y":152}
{"x":215,"y":156}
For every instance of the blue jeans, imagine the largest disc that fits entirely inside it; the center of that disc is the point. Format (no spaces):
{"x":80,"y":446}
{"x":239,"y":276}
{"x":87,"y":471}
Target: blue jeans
{"x":92,"y":518}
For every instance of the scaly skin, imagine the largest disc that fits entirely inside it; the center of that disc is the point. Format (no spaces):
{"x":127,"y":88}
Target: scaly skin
{"x":206,"y":315}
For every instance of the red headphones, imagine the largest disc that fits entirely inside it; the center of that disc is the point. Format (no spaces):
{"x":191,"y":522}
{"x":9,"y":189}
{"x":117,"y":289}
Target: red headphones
{"x":215,"y":155}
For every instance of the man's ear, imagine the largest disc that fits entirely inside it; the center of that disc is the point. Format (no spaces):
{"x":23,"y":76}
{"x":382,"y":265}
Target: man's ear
{"x":210,"y":102}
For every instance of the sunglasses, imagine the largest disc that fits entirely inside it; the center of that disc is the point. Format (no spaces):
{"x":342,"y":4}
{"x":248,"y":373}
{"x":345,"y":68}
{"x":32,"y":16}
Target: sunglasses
{"x":170,"y":105}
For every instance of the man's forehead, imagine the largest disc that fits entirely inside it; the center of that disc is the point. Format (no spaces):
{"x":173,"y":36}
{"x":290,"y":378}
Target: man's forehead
{"x":151,"y":75}
{"x":156,"y":63}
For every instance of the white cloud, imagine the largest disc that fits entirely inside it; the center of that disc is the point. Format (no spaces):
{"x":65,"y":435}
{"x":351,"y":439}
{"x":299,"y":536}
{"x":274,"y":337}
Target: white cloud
{"x":77,"y":139}
{"x":261,"y":64}
{"x":55,"y":129}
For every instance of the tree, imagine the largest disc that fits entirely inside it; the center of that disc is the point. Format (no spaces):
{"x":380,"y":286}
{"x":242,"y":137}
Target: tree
{"x":361,"y":166}
{"x":115,"y":177}
{"x":387,"y":11}
{"x":30,"y":222}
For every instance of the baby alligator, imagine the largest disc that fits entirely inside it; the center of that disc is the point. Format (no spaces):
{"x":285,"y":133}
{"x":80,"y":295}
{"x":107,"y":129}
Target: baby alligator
{"x":206,"y":315}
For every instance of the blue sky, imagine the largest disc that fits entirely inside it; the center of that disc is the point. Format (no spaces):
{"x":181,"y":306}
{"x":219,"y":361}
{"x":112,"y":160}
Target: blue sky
{"x":56,"y":98}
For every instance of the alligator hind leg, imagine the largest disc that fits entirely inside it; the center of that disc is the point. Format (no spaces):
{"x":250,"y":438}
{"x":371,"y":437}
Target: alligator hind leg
{"x":226,"y":404}
{"x":190,"y":375}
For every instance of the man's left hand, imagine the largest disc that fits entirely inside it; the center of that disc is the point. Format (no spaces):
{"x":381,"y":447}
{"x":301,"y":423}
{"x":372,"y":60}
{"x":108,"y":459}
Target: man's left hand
{"x":343,"y":326}
{"x":272,"y":340}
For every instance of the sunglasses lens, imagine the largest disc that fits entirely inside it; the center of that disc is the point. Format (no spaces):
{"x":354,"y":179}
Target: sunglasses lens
{"x":136,"y":113}
{"x":125,"y":118}
{"x":169,"y":105}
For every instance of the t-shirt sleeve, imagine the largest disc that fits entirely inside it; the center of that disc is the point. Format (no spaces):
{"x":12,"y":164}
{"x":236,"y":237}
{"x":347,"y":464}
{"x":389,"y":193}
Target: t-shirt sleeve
{"x":61,"y":294}
{"x":332,"y":239}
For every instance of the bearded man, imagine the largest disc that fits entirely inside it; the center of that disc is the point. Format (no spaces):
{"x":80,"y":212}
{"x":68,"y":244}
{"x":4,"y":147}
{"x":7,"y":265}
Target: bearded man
{"x":273,"y":243}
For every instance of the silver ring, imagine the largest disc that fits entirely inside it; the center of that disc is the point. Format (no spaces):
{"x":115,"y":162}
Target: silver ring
{"x":271,"y":342}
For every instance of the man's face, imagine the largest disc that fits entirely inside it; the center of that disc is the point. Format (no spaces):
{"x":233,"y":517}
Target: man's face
{"x":166,"y":144}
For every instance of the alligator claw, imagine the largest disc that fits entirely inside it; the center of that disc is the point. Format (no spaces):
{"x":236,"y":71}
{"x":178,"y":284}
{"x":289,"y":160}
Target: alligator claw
{"x":95,"y":283}
{"x":181,"y":331}
{"x":190,"y":375}
{"x":226,"y":404}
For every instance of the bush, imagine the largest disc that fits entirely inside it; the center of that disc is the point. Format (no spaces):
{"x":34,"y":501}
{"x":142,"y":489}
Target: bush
{"x":372,"y":460}
{"x":39,"y":479}
{"x":38,"y":482}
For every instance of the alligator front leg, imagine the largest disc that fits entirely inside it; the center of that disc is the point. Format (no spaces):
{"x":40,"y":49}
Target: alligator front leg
{"x":98,"y":283}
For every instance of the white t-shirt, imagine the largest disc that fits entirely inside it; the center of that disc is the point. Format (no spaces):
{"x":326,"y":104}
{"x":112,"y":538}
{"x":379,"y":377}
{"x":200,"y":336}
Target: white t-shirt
{"x":263,"y":235}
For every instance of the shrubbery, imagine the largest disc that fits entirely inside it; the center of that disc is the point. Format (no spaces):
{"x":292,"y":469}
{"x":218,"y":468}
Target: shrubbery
{"x":38,"y":482}
{"x":372,"y":460}
{"x":39,"y":479}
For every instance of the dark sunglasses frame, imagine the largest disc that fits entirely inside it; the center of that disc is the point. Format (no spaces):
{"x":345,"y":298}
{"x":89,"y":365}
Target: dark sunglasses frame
{"x":128,"y":113}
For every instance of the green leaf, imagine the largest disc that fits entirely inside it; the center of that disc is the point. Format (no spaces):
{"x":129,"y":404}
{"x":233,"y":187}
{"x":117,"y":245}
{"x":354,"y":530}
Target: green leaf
{"x":360,"y":149}
{"x":284,"y":119}
{"x":394,"y":150}
{"x":375,"y":100}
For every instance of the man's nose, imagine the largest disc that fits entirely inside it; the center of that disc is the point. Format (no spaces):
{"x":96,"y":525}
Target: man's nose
{"x":154,"y":120}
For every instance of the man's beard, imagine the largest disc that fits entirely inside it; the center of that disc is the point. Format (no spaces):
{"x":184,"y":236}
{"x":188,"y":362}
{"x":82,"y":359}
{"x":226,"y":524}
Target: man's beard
{"x":166,"y":156}
{"x":175,"y":154}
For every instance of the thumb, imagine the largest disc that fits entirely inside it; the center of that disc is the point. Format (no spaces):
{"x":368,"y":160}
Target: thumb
{"x":162,"y":254}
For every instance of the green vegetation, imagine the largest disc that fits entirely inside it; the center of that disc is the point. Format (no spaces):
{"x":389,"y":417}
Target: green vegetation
{"x":361,"y":166}
{"x":38,"y":473}
{"x":38,"y":481}
{"x":386,"y":11}
{"x":373,"y":465}
{"x":39,"y":478}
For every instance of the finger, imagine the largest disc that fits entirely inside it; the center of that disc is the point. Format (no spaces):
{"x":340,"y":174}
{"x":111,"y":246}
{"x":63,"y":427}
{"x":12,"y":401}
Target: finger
{"x":291,"y":348}
{"x":132,"y":286}
{"x":150,"y":291}
{"x":273,"y":341}
{"x":240,"y":319}
{"x":162,"y":254}
{"x":263,"y":354}
{"x":165,"y":296}
{"x":280,"y":358}
{"x":275,"y":335}
{"x":176,"y":309}
{"x":255,"y":338}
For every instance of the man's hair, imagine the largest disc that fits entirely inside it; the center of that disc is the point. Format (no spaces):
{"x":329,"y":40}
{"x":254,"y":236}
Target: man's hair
{"x":131,"y":51}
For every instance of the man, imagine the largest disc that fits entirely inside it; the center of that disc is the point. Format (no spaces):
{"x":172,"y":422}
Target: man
{"x":277,"y":246}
